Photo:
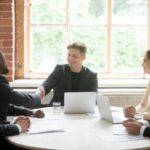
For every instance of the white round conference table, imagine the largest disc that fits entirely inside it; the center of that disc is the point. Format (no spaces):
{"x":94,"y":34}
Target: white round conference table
{"x":75,"y":132}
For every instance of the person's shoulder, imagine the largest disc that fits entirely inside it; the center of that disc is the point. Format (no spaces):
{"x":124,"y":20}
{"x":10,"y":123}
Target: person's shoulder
{"x":61,"y":66}
{"x":3,"y":79}
{"x":4,"y":84}
{"x":87,"y":70}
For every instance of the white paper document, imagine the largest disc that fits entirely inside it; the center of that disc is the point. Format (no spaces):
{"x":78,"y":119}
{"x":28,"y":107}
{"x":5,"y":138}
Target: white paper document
{"x":44,"y":130}
{"x":45,"y":126}
{"x":120,"y":134}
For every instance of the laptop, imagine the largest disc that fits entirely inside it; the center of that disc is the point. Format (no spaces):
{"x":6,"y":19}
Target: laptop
{"x":115,"y":116}
{"x":79,"y":102}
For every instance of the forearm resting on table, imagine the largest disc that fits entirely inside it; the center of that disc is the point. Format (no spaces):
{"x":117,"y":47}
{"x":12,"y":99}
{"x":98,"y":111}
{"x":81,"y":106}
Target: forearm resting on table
{"x":141,"y":109}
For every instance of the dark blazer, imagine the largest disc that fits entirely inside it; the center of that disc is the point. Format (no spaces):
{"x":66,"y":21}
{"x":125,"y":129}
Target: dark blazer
{"x":60,"y":81}
{"x":8,"y":97}
{"x":147,"y":132}
{"x":7,"y":129}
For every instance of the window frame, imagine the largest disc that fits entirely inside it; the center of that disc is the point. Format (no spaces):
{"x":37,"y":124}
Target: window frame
{"x":23,"y":41}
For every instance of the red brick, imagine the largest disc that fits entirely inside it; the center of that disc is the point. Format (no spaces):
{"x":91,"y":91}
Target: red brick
{"x":6,"y":22}
{"x":5,"y":7}
{"x":5,"y":1}
{"x":5,"y":14}
{"x":10,"y":77}
{"x":2,"y":50}
{"x":5,"y":36}
{"x":9,"y":64}
{"x":10,"y":71}
{"x":7,"y":43}
{"x":0,"y":44}
{"x":8,"y":57}
{"x":4,"y":29}
{"x":6,"y":33}
{"x":7,"y":50}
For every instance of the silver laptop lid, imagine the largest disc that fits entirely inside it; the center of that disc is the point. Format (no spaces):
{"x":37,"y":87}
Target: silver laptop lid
{"x":79,"y":102}
{"x":107,"y":113}
{"x":104,"y":107}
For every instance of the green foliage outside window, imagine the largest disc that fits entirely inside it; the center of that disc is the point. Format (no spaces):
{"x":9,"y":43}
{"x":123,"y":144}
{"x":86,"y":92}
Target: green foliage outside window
{"x":55,"y":23}
{"x":128,"y":47}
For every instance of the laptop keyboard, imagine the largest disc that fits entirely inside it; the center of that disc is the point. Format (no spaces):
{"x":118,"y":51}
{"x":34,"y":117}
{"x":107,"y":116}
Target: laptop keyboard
{"x":118,"y":117}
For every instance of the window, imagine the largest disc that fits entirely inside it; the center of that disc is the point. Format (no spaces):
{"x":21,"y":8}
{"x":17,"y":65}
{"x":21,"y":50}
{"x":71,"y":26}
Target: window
{"x":116,"y":33}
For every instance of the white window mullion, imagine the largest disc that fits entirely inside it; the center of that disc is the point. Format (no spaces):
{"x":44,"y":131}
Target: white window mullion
{"x":68,"y":29}
{"x":148,"y":24}
{"x":109,"y":31}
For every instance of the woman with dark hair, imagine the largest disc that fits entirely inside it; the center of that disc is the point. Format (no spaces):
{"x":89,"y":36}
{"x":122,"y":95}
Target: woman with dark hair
{"x":10,"y":101}
{"x":133,"y":126}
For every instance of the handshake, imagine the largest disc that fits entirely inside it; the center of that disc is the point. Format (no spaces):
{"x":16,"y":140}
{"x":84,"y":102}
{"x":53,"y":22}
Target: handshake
{"x":40,"y":92}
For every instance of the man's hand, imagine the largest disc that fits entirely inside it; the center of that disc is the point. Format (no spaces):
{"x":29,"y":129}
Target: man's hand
{"x":23,"y":122}
{"x":38,"y":114}
{"x":132,"y":126}
{"x":41,"y":92}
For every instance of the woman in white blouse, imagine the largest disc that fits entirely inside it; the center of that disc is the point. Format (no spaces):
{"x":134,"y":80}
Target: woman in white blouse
{"x":130,"y":110}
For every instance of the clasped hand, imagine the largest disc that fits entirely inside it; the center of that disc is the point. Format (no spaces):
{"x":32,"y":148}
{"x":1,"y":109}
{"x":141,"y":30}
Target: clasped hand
{"x":24,"y":123}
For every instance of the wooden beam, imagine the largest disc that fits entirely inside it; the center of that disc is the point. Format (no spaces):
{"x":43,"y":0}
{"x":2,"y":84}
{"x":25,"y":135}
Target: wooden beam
{"x":19,"y":39}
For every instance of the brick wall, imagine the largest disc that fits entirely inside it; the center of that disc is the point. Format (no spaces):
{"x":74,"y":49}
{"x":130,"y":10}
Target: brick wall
{"x":7,"y":33}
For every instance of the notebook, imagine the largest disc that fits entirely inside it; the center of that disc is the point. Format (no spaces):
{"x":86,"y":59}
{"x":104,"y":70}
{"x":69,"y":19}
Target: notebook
{"x":115,"y":116}
{"x":79,"y":102}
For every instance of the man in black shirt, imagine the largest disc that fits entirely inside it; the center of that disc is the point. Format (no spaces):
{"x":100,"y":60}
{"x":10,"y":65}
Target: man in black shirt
{"x":71,"y":77}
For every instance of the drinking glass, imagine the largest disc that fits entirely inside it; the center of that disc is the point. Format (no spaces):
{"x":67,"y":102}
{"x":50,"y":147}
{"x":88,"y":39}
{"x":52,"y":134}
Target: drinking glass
{"x":56,"y":107}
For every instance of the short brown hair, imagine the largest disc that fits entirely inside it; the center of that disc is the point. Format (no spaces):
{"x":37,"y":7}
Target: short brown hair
{"x":147,"y":54}
{"x":77,"y":45}
{"x":3,"y":65}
